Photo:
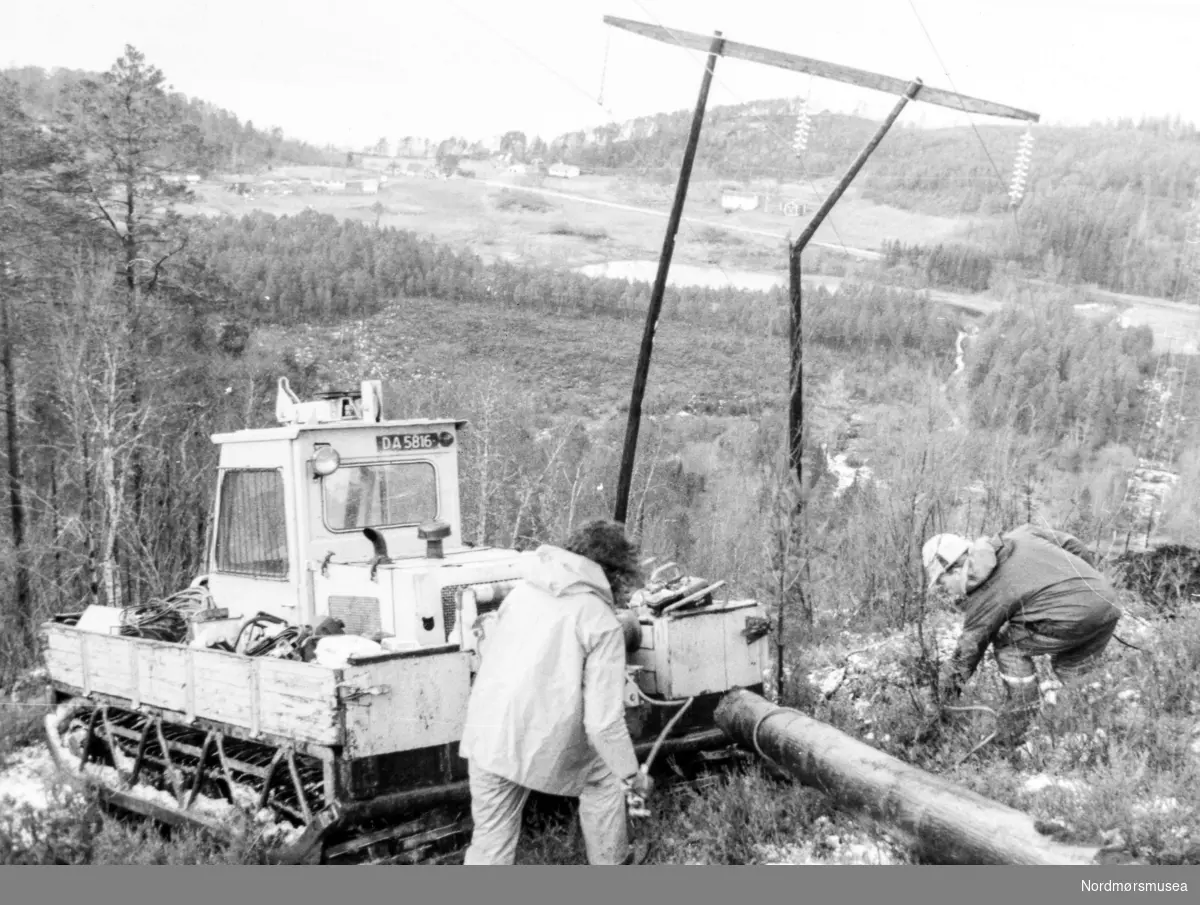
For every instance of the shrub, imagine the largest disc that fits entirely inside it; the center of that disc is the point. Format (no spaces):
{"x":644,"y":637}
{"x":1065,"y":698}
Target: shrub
{"x":510,"y":200}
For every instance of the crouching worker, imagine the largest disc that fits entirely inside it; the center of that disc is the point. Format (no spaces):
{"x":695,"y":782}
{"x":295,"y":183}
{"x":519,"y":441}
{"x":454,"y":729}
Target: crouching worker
{"x":1028,"y":592}
{"x":547,"y":709}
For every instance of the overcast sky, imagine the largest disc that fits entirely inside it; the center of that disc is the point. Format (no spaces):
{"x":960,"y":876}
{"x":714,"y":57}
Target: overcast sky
{"x":351,"y":73}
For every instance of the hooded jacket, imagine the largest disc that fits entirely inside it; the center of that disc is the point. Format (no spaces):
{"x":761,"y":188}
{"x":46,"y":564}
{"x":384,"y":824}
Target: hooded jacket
{"x":1042,"y":582}
{"x":548,"y":700}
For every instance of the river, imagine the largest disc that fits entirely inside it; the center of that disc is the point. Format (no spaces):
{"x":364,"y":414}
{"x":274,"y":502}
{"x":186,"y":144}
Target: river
{"x":699,"y":275}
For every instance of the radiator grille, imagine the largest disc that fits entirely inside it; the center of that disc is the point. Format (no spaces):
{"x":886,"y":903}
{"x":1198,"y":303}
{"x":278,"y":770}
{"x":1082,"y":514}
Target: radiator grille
{"x":360,"y":615}
{"x":450,"y":604}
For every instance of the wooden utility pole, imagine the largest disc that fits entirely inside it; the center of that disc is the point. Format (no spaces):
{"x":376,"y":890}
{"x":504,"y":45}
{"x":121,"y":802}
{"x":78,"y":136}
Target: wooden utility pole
{"x":943,"y":822}
{"x":22,"y":606}
{"x":779,"y":59}
{"x":625,"y":478}
{"x":796,"y":384}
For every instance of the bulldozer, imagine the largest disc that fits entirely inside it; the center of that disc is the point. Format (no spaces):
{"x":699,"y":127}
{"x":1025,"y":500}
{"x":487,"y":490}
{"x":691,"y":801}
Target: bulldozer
{"x":311,"y":683}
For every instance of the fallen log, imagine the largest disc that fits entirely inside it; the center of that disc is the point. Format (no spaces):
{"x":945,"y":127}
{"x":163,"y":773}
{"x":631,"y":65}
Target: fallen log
{"x":942,"y":822}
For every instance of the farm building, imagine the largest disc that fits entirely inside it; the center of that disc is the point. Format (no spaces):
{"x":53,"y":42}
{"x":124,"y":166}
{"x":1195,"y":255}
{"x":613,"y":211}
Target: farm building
{"x":563,"y":171}
{"x":519,"y":168}
{"x":239,"y":184}
{"x":739,"y":201}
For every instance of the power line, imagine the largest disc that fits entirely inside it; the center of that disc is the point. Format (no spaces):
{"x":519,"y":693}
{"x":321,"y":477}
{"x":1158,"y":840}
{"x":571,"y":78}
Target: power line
{"x":769,"y":126}
{"x":970,"y":119}
{"x":491,"y":28}
{"x":946,"y":72}
{"x":598,"y":100}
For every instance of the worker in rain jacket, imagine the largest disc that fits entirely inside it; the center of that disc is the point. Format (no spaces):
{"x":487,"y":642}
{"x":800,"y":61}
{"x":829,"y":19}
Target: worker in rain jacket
{"x":547,"y":709}
{"x":1028,"y":592}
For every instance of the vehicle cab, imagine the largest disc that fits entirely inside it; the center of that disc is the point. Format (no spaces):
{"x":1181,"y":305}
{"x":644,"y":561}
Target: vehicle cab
{"x":337,"y":512}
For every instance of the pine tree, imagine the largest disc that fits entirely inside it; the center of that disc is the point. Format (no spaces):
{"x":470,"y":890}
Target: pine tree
{"x":129,"y":146}
{"x":29,"y":225}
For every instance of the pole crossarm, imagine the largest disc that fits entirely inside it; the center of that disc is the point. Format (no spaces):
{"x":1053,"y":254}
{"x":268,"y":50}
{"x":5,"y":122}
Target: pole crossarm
{"x":834,"y":71}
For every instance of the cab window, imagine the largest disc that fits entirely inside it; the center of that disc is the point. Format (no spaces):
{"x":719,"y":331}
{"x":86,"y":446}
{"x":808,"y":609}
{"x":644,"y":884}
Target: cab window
{"x":252,"y":524}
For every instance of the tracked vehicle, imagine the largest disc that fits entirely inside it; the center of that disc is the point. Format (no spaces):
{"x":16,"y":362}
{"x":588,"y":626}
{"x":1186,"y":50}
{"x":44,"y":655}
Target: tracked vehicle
{"x":312,"y":682}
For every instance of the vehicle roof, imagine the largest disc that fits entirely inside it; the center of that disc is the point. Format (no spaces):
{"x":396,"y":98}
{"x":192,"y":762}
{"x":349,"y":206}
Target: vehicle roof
{"x":292,"y":431}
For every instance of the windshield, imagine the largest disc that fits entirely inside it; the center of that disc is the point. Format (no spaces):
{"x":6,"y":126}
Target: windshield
{"x":381,"y":495}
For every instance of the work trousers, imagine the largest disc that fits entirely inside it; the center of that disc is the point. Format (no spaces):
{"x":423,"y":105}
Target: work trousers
{"x":1071,"y":658}
{"x":497,"y":805}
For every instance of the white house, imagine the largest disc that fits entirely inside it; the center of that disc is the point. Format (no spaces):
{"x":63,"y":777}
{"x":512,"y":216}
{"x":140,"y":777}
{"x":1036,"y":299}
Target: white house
{"x":563,"y":171}
{"x":739,"y":201}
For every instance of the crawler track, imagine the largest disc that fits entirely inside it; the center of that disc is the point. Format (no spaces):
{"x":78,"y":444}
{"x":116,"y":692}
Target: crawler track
{"x":184,"y":776}
{"x":191,"y":776}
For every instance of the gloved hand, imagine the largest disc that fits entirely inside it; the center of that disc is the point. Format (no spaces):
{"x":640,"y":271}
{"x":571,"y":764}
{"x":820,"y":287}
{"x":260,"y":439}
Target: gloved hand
{"x":641,"y":784}
{"x":637,"y":789}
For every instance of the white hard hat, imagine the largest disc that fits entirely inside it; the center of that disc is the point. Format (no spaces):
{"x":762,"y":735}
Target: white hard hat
{"x":940,"y":552}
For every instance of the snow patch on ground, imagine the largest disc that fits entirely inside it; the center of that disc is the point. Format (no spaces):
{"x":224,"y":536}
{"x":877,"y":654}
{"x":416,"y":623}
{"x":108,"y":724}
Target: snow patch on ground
{"x":832,"y":845}
{"x":26,"y":779}
{"x":1039,"y":782}
{"x":831,"y":849}
{"x":31,"y":782}
{"x":1156,"y":807}
{"x":846,"y":473}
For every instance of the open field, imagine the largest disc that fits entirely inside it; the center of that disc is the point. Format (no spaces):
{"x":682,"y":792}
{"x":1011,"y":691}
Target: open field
{"x":586,"y":220}
{"x":594,"y":220}
{"x":1176,"y":325}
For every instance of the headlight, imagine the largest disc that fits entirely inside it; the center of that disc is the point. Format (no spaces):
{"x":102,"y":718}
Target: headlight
{"x":326,"y":461}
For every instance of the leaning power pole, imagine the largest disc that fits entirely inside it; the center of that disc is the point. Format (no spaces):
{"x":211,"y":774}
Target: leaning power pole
{"x":625,"y":478}
{"x":716,"y":46}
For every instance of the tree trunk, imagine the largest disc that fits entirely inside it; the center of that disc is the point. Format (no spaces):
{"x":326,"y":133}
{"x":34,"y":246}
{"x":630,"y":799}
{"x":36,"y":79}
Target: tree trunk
{"x":56,"y":532}
{"x":944,"y":823}
{"x":22,"y":609}
{"x":89,"y":519}
{"x":110,"y":574}
{"x":137,"y":344}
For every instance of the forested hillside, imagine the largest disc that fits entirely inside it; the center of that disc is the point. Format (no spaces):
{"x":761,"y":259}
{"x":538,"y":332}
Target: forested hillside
{"x":1104,"y":204}
{"x":130,"y":333}
{"x":230,"y":144}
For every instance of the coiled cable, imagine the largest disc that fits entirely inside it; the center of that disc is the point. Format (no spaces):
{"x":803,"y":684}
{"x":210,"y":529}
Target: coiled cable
{"x":165,"y":619}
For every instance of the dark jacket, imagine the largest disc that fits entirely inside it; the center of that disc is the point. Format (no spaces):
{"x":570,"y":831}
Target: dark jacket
{"x":1043,"y":582}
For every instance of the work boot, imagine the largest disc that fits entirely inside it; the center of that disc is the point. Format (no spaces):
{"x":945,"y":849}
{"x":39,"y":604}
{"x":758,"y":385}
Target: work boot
{"x":1013,"y":724}
{"x":639,"y":851}
{"x":1049,"y":682}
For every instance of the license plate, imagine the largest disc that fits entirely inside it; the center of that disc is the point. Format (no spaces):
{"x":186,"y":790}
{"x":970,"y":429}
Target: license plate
{"x":411,"y":442}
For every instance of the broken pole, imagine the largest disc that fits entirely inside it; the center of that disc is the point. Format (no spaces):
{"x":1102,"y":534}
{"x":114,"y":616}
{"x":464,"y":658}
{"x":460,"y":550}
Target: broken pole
{"x":822,"y":69}
{"x":848,"y":177}
{"x":625,"y":477}
{"x":796,"y":388}
{"x":943,"y":822}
